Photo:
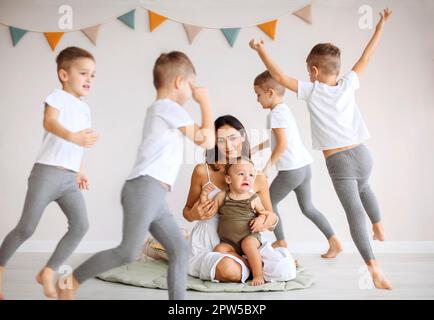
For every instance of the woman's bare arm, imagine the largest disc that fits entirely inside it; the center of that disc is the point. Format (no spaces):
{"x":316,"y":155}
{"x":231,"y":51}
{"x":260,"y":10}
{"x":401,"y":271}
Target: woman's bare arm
{"x":193,"y":209}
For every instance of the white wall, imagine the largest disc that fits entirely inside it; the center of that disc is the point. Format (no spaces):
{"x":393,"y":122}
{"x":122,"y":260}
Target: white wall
{"x":396,"y":98}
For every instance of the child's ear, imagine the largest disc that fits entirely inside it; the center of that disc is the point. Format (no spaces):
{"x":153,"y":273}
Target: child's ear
{"x":179,"y":81}
{"x":63,"y":75}
{"x":315,"y":71}
{"x":228,"y":179}
{"x":271,"y":93}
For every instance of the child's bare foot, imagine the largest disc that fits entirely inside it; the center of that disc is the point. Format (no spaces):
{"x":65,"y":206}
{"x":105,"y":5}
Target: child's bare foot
{"x":378,"y":230}
{"x":258,"y":280}
{"x":279,"y":243}
{"x":378,"y":277}
{"x":2,"y":271}
{"x":45,"y":278}
{"x":66,"y":287}
{"x":334,"y":249}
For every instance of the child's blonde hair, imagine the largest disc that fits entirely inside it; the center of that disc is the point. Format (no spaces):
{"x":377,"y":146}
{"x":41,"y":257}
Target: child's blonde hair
{"x":326,"y":57}
{"x":239,"y":160}
{"x":169,"y":65}
{"x":265,"y":81}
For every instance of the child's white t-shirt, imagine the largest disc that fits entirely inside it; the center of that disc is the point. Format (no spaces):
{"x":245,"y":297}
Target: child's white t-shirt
{"x":335,"y":118}
{"x":74,"y":115}
{"x":160,"y":153}
{"x":295,"y":155}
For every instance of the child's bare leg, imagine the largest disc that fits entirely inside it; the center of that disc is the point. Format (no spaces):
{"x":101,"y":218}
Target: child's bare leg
{"x":378,"y":277}
{"x":335,"y":248}
{"x":66,"y":287}
{"x":250,"y":247}
{"x":46,"y":279}
{"x":378,"y":230}
{"x":2,"y":271}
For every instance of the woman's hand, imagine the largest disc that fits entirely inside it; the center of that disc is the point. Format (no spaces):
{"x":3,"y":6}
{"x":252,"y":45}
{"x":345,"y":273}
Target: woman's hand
{"x":203,"y":211}
{"x":260,"y":223}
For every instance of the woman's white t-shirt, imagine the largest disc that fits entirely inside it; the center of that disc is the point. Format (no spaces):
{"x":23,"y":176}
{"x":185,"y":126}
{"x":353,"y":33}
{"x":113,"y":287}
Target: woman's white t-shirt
{"x":335,"y":118}
{"x":74,"y":115}
{"x":161,"y":150}
{"x":295,"y":155}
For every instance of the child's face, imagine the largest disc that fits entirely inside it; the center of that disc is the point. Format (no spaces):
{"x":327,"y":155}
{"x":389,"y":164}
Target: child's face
{"x":240,"y":177}
{"x":79,"y":77}
{"x":264,"y":97}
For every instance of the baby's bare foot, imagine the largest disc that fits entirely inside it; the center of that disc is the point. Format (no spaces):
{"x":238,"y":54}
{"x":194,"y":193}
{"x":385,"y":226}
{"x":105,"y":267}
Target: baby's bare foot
{"x":334,"y":249}
{"x":379,"y":279}
{"x":279,"y":244}
{"x":378,"y":230}
{"x":45,"y":278}
{"x":258,"y":280}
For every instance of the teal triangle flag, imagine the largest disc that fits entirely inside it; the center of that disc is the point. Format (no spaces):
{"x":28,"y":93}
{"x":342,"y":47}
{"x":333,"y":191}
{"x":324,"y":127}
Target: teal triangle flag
{"x":17,"y":34}
{"x":128,"y":18}
{"x":231,"y":34}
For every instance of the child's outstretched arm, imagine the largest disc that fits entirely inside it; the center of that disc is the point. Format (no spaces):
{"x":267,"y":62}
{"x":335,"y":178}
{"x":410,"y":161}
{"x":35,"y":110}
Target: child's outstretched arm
{"x":84,"y":138}
{"x":361,"y":64}
{"x":273,"y":68}
{"x":263,"y":145}
{"x":204,"y":135}
{"x":281,"y":144}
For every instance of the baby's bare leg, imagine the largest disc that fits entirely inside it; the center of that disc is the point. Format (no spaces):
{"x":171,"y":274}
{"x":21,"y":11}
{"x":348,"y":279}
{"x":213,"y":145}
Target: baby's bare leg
{"x":224,"y":247}
{"x":250,"y":247}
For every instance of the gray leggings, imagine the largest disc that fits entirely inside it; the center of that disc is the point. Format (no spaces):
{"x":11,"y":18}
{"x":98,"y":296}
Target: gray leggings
{"x":145,"y":209}
{"x":45,"y":185}
{"x":299,"y":181}
{"x":349,"y":171}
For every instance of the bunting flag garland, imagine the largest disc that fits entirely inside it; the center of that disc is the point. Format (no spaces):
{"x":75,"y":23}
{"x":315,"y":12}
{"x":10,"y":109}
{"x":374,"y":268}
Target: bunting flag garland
{"x":269,"y":28}
{"x":304,"y":14}
{"x":128,"y":18}
{"x":155,"y":20}
{"x":16,"y":34}
{"x":53,"y":38}
{"x":231,"y":34}
{"x":192,"y":32}
{"x":91,"y":33}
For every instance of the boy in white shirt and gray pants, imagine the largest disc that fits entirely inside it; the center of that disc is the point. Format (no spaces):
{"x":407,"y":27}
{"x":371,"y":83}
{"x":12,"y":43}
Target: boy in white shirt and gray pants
{"x":338,"y":130}
{"x":58,"y":174}
{"x":159,"y":158}
{"x":292,"y":162}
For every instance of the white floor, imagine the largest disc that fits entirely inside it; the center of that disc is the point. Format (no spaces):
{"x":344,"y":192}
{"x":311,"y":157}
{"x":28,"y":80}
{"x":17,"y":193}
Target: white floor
{"x":412,"y":276}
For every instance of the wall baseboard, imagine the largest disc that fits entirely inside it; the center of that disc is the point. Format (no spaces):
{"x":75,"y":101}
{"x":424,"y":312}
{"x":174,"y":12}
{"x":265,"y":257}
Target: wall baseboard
{"x":294,"y":247}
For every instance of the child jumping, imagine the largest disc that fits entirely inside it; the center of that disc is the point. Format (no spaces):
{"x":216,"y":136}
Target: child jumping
{"x":240,"y":212}
{"x":338,"y":129}
{"x":159,"y":158}
{"x":57,"y":174}
{"x":292,"y":161}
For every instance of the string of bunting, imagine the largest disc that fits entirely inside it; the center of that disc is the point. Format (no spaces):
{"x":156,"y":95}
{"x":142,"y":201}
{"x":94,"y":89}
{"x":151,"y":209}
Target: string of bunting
{"x":155,"y":20}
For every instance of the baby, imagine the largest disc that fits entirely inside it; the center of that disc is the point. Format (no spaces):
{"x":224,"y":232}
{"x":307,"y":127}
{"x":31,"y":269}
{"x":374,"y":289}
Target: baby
{"x":240,"y":211}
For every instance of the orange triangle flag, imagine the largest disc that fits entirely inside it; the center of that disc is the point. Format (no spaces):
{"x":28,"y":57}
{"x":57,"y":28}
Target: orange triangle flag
{"x":269,"y":28}
{"x":53,"y":38}
{"x":155,"y":20}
